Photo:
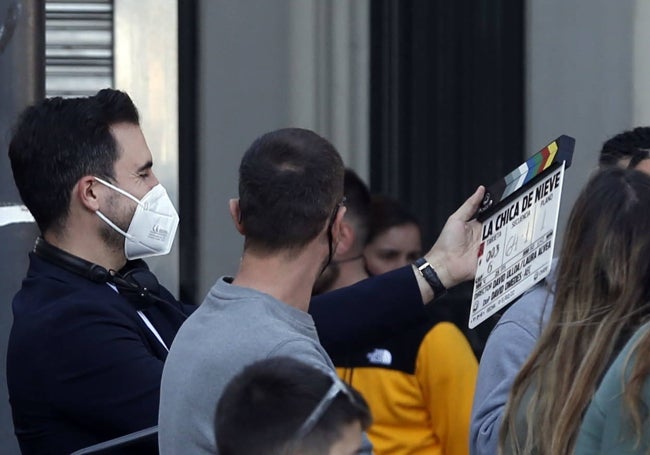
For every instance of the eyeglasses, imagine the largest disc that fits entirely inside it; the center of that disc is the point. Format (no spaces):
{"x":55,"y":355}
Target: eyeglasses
{"x":337,"y":387}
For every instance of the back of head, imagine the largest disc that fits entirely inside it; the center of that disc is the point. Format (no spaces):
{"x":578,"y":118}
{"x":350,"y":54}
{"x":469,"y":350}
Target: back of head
{"x":357,"y":202}
{"x":263,"y":408}
{"x":385,"y":213}
{"x":629,"y":148}
{"x":602,"y":293}
{"x":609,"y":231}
{"x":57,"y":141}
{"x":290,"y":182}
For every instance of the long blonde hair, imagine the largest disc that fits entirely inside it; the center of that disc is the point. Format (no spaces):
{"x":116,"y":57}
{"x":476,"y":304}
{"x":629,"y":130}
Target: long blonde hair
{"x":603,"y":286}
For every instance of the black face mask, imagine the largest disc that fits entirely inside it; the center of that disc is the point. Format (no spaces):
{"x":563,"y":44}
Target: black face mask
{"x":327,"y":278}
{"x":330,"y":237}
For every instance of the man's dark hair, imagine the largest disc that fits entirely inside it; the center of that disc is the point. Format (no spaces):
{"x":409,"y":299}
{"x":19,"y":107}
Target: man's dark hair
{"x":57,"y":141}
{"x":357,"y":201}
{"x":386,"y":213}
{"x":290,"y":183}
{"x":632,"y":145}
{"x":263,"y":408}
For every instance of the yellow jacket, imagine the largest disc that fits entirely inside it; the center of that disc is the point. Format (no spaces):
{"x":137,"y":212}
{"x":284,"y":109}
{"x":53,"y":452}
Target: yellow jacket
{"x":419,"y":386}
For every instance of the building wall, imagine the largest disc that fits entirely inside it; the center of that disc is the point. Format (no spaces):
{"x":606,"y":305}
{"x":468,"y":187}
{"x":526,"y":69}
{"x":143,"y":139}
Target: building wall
{"x":267,"y":65}
{"x":579,"y":79}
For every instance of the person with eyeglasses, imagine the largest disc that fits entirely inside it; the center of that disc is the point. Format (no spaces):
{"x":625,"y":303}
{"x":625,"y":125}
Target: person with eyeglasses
{"x":281,"y":406}
{"x":419,"y":382}
{"x":290,"y":213}
{"x":91,"y":324}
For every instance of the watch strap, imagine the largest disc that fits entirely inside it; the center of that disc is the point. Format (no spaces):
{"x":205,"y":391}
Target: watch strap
{"x":430,"y":275}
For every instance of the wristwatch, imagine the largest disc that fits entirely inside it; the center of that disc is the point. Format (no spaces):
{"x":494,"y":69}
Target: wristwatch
{"x":429,"y":274}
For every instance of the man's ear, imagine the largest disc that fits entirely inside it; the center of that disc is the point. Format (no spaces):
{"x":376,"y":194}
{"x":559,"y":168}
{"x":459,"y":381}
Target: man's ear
{"x":86,"y":193}
{"x":235,"y":214}
{"x":346,"y":239}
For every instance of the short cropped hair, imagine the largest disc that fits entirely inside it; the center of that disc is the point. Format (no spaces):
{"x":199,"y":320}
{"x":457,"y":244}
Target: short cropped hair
{"x":262,"y":409}
{"x":357,"y":202}
{"x":290,"y":182}
{"x":632,"y":145}
{"x":57,"y":141}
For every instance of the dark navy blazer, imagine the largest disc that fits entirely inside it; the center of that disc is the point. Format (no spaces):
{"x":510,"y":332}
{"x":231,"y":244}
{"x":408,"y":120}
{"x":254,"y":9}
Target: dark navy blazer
{"x":367,"y":312}
{"x":82,"y":367}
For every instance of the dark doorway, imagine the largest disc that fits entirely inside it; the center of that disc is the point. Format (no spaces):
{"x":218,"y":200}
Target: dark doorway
{"x":447,"y":106}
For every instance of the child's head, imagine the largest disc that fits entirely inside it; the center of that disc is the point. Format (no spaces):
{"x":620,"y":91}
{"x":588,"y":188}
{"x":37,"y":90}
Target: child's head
{"x":281,"y":406}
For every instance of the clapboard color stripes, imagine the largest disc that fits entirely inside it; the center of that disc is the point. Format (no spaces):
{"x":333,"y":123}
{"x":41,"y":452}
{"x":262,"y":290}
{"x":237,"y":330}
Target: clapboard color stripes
{"x":560,"y":150}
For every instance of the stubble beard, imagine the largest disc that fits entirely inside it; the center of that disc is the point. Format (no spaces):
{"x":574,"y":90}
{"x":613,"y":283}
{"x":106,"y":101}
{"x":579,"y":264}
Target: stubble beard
{"x":122,"y":217}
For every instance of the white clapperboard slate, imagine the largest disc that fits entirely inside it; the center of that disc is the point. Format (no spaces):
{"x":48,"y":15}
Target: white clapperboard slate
{"x":519,"y":222}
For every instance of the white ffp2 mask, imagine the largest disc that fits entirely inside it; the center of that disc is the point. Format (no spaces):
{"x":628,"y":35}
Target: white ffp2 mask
{"x":153,"y":226}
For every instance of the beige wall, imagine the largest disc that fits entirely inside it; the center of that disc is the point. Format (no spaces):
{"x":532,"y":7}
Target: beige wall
{"x":146,"y":67}
{"x":266,"y":65}
{"x":579,"y":79}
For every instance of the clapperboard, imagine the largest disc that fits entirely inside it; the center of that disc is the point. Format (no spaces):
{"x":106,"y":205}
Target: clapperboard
{"x":519,"y":216}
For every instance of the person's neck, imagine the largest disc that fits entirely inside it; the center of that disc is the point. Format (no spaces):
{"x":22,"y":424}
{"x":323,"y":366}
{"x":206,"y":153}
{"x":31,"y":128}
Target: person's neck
{"x":288,"y":278}
{"x":351,"y":271}
{"x":87,"y":247}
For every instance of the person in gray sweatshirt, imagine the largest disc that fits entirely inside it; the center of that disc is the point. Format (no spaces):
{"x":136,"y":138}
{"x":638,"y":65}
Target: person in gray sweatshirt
{"x":290,"y":210}
{"x":514,"y":336}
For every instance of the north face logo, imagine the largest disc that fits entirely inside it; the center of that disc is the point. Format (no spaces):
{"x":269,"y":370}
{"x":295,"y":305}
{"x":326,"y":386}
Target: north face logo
{"x":380,"y":357}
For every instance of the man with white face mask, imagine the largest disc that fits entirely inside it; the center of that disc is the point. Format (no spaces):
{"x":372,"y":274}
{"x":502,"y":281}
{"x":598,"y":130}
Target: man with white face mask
{"x":152,"y":225}
{"x":88,"y":341}
{"x":92,"y":326}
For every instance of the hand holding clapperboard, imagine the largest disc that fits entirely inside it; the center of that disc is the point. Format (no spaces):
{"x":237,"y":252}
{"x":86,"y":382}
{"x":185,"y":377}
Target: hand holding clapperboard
{"x":519,"y":222}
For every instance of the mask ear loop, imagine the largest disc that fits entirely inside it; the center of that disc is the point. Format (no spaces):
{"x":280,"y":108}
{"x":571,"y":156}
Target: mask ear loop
{"x":119,"y":190}
{"x":105,"y":219}
{"x":125,"y":234}
{"x":144,"y":205}
{"x":330,"y":237}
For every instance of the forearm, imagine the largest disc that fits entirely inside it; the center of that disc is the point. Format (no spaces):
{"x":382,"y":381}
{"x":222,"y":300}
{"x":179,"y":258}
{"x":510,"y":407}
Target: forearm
{"x":368,"y":311}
